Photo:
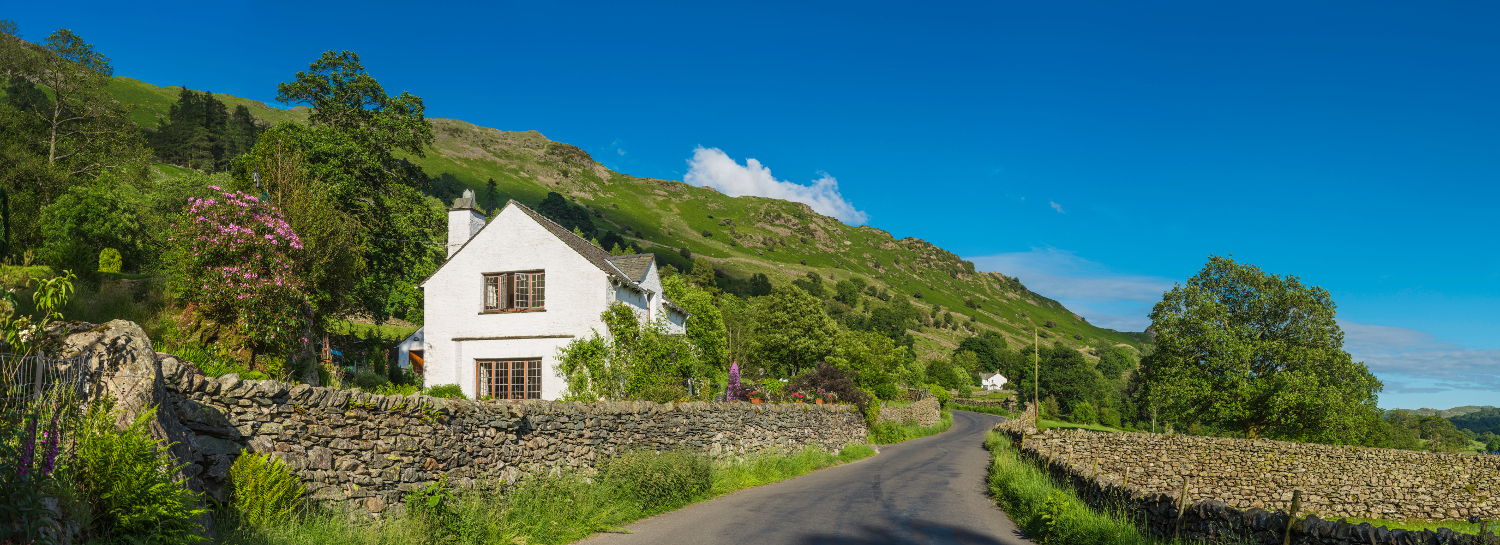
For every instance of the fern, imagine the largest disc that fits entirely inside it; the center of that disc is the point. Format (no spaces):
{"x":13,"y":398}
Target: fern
{"x":127,"y":477}
{"x":265,"y":491}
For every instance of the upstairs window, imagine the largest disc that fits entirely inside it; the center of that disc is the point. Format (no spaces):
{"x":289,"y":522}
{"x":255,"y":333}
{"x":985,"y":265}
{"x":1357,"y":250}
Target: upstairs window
{"x":514,"y":291}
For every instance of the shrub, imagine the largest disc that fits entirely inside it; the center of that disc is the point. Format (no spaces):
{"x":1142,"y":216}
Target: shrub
{"x":369,"y":381}
{"x":109,"y":260}
{"x":127,"y":479}
{"x":707,"y":233}
{"x":1084,"y":413}
{"x":834,"y":381}
{"x":661,"y":482}
{"x":264,"y":490}
{"x":662,"y":393}
{"x":1109,"y":417}
{"x":1078,"y":336}
{"x":1050,"y":324}
{"x":938,"y":392}
{"x":1049,"y":408}
{"x":449,"y":391}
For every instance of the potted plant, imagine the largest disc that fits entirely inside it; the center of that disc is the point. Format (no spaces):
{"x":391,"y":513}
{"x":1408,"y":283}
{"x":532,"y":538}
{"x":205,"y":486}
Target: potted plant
{"x":754,"y":395}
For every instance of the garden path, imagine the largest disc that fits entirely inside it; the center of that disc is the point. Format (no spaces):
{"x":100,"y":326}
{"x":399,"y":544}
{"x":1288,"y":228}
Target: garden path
{"x":929,"y":490}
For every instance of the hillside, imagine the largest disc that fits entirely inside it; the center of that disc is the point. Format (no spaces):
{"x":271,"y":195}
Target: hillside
{"x":1451,"y":413}
{"x":741,"y":235}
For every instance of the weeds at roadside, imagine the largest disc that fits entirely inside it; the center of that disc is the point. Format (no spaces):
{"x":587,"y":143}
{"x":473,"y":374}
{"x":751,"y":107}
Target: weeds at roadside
{"x":885,"y":433}
{"x":541,"y":510}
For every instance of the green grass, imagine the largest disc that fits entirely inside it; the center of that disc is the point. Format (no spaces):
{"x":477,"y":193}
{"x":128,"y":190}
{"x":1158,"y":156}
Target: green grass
{"x":1048,"y":511}
{"x":885,"y":433}
{"x":1460,"y":526}
{"x":542,"y":510}
{"x":993,"y":396}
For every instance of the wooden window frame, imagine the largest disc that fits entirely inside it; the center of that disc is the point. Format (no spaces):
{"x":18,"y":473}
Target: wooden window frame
{"x":492,"y":376}
{"x":513,"y":289}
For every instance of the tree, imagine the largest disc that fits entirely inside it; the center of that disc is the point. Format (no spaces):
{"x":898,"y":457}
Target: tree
{"x":570,"y":216}
{"x":987,"y":346}
{"x":1257,"y":354}
{"x":702,"y":275}
{"x":356,"y":130}
{"x":705,"y":326}
{"x":97,"y":215}
{"x":1066,"y":375}
{"x":813,"y":284}
{"x":491,"y":196}
{"x":760,"y":285}
{"x":1113,"y":362}
{"x":876,"y":361}
{"x":790,"y":332}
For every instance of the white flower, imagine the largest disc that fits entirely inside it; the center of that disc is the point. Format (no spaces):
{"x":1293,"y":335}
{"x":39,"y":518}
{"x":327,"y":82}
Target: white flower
{"x":25,"y":335}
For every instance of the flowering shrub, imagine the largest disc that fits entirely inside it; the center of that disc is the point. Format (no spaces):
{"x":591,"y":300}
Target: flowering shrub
{"x":734,"y":391}
{"x":234,"y":258}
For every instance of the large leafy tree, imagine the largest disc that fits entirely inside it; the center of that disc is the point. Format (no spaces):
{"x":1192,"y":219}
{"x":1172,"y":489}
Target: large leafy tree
{"x":1257,"y":354}
{"x":58,"y":126}
{"x":350,"y":151}
{"x":705,"y":326}
{"x":790,"y":332}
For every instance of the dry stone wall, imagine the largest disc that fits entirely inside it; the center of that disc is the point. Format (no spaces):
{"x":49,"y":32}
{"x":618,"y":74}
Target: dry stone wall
{"x":371,"y":449}
{"x":1336,"y":481}
{"x":1216,"y":489}
{"x":925,"y":412}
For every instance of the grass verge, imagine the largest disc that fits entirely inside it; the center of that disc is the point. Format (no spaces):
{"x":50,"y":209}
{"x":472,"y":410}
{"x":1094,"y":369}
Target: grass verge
{"x":543,"y":510}
{"x":885,"y":433}
{"x":1047,"y":511}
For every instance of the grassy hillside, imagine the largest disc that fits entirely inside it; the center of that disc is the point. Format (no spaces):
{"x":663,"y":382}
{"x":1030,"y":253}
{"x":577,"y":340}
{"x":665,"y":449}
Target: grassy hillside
{"x":741,"y":235}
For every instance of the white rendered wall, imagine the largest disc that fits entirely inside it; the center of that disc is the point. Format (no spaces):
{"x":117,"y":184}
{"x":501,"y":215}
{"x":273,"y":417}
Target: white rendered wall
{"x":462,"y":225}
{"x":577,"y":292}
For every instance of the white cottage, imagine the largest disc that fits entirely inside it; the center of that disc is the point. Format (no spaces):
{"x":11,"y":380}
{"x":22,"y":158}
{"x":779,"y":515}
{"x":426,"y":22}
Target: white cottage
{"x":992,"y":381}
{"x":517,"y":289}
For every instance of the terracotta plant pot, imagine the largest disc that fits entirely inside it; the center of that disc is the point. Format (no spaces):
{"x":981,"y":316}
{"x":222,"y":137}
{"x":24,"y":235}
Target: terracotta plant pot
{"x":756,"y":401}
{"x":818,"y":401}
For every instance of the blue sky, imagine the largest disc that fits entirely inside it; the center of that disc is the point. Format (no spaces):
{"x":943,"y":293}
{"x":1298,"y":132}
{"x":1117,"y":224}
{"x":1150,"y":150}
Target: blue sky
{"x":1100,"y":151}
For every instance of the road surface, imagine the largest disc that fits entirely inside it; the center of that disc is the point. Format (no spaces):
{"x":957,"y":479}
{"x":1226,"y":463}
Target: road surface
{"x":929,"y":490}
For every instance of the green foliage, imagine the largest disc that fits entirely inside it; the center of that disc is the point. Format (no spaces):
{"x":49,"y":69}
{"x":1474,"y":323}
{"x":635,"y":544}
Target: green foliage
{"x":200,"y":133}
{"x":833,"y":380}
{"x":1483,"y":420}
{"x":1084,"y":413}
{"x":1112,"y":362}
{"x":940,"y":393}
{"x":660,"y":481}
{"x":1048,"y":510}
{"x":109,"y":260}
{"x":368,"y":380}
{"x":103,"y":213}
{"x":264,"y":489}
{"x":449,"y":391}
{"x":1067,"y":377}
{"x":705,"y":328}
{"x":790,"y":332}
{"x":874,"y":361}
{"x":569,"y":215}
{"x":885,"y":433}
{"x":1258,"y":354}
{"x":634,"y":358}
{"x":127,"y":479}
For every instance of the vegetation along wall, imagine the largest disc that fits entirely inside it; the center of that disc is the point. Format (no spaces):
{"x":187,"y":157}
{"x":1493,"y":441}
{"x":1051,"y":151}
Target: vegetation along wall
{"x":369,"y":449}
{"x":1237,"y":487}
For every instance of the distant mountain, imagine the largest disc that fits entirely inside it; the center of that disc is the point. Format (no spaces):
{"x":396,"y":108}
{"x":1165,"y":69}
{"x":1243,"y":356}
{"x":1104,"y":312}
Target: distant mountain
{"x":741,"y":235}
{"x":1450,"y":413}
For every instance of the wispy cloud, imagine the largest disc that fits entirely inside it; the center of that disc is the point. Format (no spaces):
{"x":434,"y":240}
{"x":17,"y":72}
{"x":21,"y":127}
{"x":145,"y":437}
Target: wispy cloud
{"x":714,"y":168}
{"x":1057,"y":207}
{"x":1107,"y":299}
{"x":1411,"y":361}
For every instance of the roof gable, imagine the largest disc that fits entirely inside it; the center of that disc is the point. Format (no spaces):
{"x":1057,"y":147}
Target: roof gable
{"x":593,"y":254}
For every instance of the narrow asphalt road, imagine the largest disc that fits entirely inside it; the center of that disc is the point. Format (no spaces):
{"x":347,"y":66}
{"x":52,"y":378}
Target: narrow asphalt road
{"x":929,"y":490}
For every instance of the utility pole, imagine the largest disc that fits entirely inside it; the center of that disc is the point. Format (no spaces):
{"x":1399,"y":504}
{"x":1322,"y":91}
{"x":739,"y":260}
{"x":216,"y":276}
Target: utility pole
{"x":1036,"y":368}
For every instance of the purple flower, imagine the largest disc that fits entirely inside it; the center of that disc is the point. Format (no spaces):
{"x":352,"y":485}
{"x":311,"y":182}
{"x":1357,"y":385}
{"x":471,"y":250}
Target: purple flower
{"x":28,"y":448}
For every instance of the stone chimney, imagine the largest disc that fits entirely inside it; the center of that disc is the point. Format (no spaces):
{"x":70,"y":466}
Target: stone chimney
{"x":464,"y":221}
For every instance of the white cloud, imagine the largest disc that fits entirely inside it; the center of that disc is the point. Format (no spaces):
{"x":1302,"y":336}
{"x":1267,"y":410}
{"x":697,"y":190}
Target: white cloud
{"x":1057,"y":207}
{"x":714,"y":168}
{"x":1417,"y":362}
{"x":1107,"y":299}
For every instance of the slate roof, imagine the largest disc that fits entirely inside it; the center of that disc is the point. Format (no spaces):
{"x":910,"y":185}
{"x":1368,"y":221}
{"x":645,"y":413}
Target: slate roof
{"x":635,"y":266}
{"x":629,"y":269}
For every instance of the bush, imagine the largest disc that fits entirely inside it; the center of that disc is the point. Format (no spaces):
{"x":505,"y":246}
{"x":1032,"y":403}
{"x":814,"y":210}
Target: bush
{"x":1109,"y":417}
{"x":1049,"y":409}
{"x":662,"y":393}
{"x":109,"y":260}
{"x":1084,"y":413}
{"x":835,"y":381}
{"x":941,"y":394}
{"x":660,"y":482}
{"x":127,"y":479}
{"x":449,"y":391}
{"x":264,"y":490}
{"x":369,"y":381}
{"x":1050,"y":324}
